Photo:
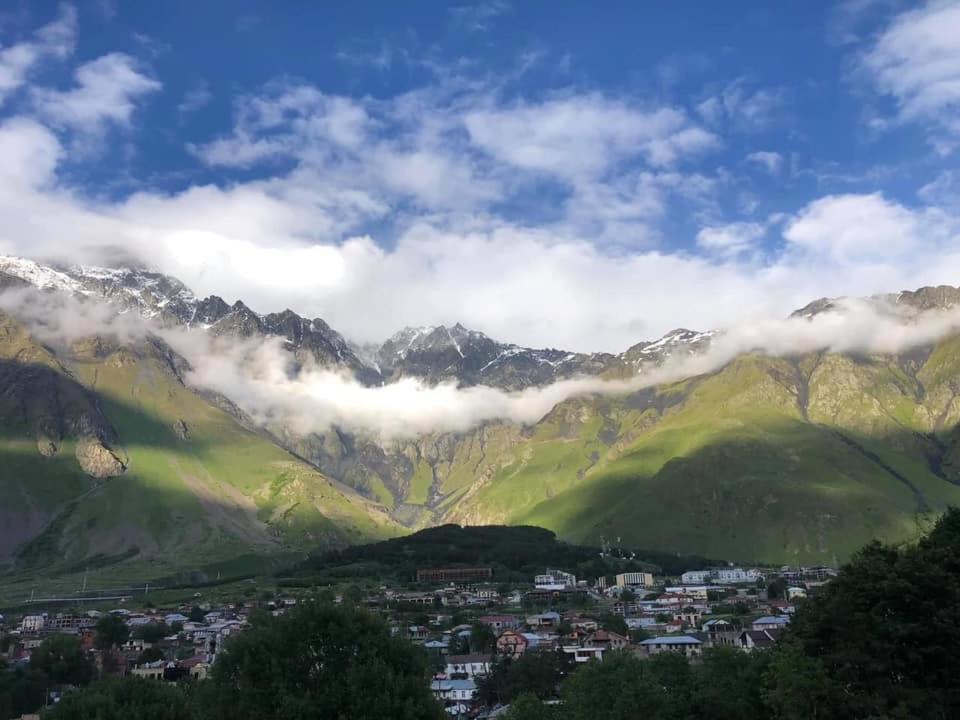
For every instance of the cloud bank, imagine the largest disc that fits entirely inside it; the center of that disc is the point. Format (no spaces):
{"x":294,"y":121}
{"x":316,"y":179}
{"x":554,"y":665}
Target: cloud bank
{"x":264,"y":380}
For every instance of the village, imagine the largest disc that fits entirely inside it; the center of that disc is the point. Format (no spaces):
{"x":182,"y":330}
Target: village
{"x":466,"y":623}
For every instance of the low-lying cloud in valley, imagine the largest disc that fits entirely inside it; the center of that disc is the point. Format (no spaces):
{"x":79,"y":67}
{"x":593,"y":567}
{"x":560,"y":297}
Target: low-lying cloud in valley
{"x":271,"y":386}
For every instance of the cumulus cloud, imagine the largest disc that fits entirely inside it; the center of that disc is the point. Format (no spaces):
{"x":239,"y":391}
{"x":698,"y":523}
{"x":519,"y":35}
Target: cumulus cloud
{"x":916,"y":61}
{"x":578,"y":136}
{"x":285,"y":242}
{"x":54,"y":40}
{"x":107,"y":91}
{"x":730,"y":239}
{"x":867,"y":228}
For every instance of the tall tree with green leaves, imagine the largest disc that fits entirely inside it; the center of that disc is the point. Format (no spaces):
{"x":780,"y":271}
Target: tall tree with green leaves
{"x":62,"y":660}
{"x":110,"y":632}
{"x":320,"y":661}
{"x":128,"y":699}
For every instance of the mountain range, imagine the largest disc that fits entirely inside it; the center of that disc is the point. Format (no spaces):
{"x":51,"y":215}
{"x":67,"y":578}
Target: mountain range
{"x":113,"y":462}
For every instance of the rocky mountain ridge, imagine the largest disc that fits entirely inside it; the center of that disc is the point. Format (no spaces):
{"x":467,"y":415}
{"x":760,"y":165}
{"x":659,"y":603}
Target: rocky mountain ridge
{"x":431,"y":354}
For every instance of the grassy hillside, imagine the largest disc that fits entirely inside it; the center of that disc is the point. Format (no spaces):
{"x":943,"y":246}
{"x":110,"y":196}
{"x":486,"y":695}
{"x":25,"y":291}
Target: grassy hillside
{"x":195,"y":489}
{"x":769,"y":459}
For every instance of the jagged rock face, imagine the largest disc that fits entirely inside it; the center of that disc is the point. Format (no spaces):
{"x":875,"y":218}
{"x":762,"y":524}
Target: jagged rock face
{"x":467,"y":357}
{"x":674,"y":343}
{"x":97,"y":460}
{"x":37,"y":393}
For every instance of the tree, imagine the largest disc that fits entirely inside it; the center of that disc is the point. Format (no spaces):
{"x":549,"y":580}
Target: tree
{"x":62,"y":660}
{"x":21,"y":692}
{"x":796,"y":687}
{"x":728,"y":684}
{"x":533,"y":673}
{"x":152,"y":632}
{"x":197,"y":613}
{"x":777,"y":589}
{"x":127,"y":699}
{"x":619,"y":688}
{"x":529,"y":707}
{"x":319,"y":661}
{"x":628,"y":595}
{"x":353,"y":594}
{"x":149,"y":655}
{"x":614,"y":623}
{"x":887,"y":627}
{"x":482,"y":638}
{"x":111,"y":631}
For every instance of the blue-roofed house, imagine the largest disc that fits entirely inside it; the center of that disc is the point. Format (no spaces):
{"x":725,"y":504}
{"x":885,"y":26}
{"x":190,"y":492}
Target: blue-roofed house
{"x":771,"y":622}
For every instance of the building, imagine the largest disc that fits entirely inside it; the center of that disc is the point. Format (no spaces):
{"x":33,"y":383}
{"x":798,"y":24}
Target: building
{"x":607,"y":640}
{"x":454,"y":574}
{"x":635,"y":579}
{"x":758,"y":639}
{"x":415,"y":598}
{"x":513,"y":644}
{"x":544,"y":620}
{"x":694,"y":592}
{"x":500,"y":622}
{"x":771,"y":622}
{"x":584,"y":654}
{"x":684,"y":644}
{"x":555,"y":580}
{"x":735,"y":575}
{"x":33,"y":623}
{"x":151,"y":671}
{"x":418,"y":633}
{"x":454,"y":691}
{"x":472,"y":665}
{"x":696,"y":577}
{"x":720,"y":633}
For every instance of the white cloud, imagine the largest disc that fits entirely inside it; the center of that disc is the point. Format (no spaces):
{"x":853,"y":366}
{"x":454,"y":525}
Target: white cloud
{"x":865,"y":228}
{"x":478,"y":17}
{"x":770,"y":161}
{"x":732,"y":239}
{"x":265,"y":381}
{"x":107,"y":91}
{"x":742,"y":107}
{"x":29,"y":153}
{"x":584,"y":136}
{"x":54,"y":40}
{"x":916,"y":61}
{"x":197,"y":97}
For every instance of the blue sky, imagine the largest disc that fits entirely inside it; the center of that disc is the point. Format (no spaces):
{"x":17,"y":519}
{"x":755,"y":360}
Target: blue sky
{"x":550,"y":173}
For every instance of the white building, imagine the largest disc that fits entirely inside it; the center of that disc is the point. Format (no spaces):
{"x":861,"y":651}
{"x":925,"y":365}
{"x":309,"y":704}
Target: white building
{"x":584,"y":654}
{"x":736,"y":575}
{"x":454,"y":690}
{"x":555,"y":580}
{"x":696,"y":577}
{"x":33,"y":623}
{"x":472,"y":665}
{"x":635,"y":579}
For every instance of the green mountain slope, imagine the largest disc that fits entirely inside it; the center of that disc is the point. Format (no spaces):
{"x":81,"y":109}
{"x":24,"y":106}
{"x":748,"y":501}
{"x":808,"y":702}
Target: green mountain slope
{"x":107,"y":461}
{"x":769,"y":459}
